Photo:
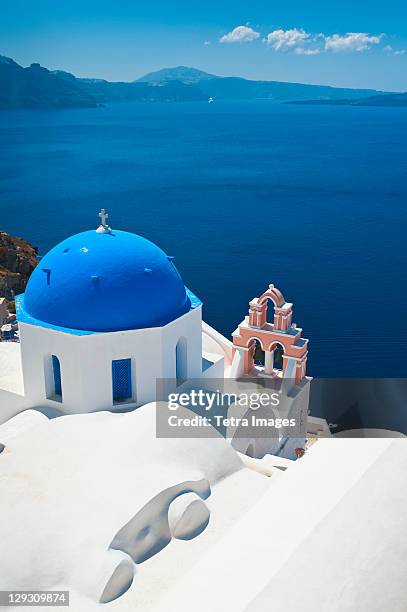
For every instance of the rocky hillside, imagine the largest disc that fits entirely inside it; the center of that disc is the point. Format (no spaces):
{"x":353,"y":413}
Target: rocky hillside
{"x":18,"y":259}
{"x":37,"y":87}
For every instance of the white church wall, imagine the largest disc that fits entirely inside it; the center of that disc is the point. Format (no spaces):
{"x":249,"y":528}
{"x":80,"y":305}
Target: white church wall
{"x":188,"y":329}
{"x":142,"y":346}
{"x":86,"y":363}
{"x":37,"y":347}
{"x":86,"y":366}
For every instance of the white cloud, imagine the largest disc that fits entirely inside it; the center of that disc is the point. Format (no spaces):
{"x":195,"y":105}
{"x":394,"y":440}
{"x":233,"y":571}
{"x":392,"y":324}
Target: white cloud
{"x":287,"y":40}
{"x":352,"y":41}
{"x":207,"y":43}
{"x":390,"y":51}
{"x":240,"y":34}
{"x":304,"y":51}
{"x":301,"y":42}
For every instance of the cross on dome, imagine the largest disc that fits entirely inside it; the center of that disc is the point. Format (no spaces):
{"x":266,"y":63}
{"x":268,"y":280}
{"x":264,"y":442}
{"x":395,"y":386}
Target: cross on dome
{"x":103,"y":216}
{"x":103,"y":227}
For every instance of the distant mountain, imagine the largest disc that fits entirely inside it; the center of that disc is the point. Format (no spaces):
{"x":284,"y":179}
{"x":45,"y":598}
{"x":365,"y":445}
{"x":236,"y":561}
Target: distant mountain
{"x":106,"y":91}
{"x":387,"y":100}
{"x":173,"y":91}
{"x":180,"y":73}
{"x":234,"y":88}
{"x":237,"y":88}
{"x":37,"y":87}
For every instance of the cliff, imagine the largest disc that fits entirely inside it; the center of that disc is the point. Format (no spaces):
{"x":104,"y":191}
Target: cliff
{"x":18,"y":259}
{"x":37,"y":87}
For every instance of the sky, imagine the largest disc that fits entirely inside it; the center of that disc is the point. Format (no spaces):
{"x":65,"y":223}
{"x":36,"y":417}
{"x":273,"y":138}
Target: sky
{"x":351,"y":43}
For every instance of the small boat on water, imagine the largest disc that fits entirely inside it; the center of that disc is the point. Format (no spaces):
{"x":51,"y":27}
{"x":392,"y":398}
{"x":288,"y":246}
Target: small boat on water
{"x":210,"y":100}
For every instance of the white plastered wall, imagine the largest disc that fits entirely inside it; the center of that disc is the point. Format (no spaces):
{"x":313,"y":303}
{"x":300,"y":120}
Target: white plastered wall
{"x":86,"y":362}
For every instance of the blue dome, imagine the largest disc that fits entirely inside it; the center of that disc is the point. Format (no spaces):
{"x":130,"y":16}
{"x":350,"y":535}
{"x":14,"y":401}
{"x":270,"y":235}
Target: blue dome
{"x":106,"y":282}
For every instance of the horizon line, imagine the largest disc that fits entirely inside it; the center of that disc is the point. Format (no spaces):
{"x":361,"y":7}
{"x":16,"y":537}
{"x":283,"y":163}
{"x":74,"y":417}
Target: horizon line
{"x":221,"y":76}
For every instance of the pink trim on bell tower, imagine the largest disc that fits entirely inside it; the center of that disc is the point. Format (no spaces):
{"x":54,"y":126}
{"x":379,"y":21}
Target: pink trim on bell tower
{"x":282,"y":333}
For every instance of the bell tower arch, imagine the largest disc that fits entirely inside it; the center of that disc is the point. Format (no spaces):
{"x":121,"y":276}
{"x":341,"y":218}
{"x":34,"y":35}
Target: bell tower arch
{"x":281,"y":333}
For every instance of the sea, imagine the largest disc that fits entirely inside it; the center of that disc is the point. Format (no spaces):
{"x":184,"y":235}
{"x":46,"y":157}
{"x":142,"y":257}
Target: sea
{"x":312,"y":199}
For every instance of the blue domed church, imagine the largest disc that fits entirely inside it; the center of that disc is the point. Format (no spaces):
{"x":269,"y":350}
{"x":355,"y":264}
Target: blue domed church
{"x":104,"y":315}
{"x":106,"y":323}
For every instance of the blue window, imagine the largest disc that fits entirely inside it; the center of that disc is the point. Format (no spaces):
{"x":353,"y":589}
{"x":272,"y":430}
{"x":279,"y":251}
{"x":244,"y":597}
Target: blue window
{"x":121,"y":380}
{"x":56,"y":370}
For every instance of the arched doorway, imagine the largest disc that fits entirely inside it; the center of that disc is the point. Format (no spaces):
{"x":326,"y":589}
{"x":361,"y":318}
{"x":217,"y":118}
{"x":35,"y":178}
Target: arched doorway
{"x":53,"y":378}
{"x":277,"y":351}
{"x":181,"y":361}
{"x":256,"y":355}
{"x":267,"y":361}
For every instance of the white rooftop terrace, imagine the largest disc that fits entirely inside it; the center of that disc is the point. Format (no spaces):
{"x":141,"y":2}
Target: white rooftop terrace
{"x":11,"y":373}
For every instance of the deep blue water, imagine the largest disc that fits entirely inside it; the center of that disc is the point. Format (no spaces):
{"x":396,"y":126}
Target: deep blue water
{"x":313,"y":199}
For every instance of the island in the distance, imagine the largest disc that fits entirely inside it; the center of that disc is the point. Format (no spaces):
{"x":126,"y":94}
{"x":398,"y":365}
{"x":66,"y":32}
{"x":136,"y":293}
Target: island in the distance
{"x":395,"y":99}
{"x":38,"y":87}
